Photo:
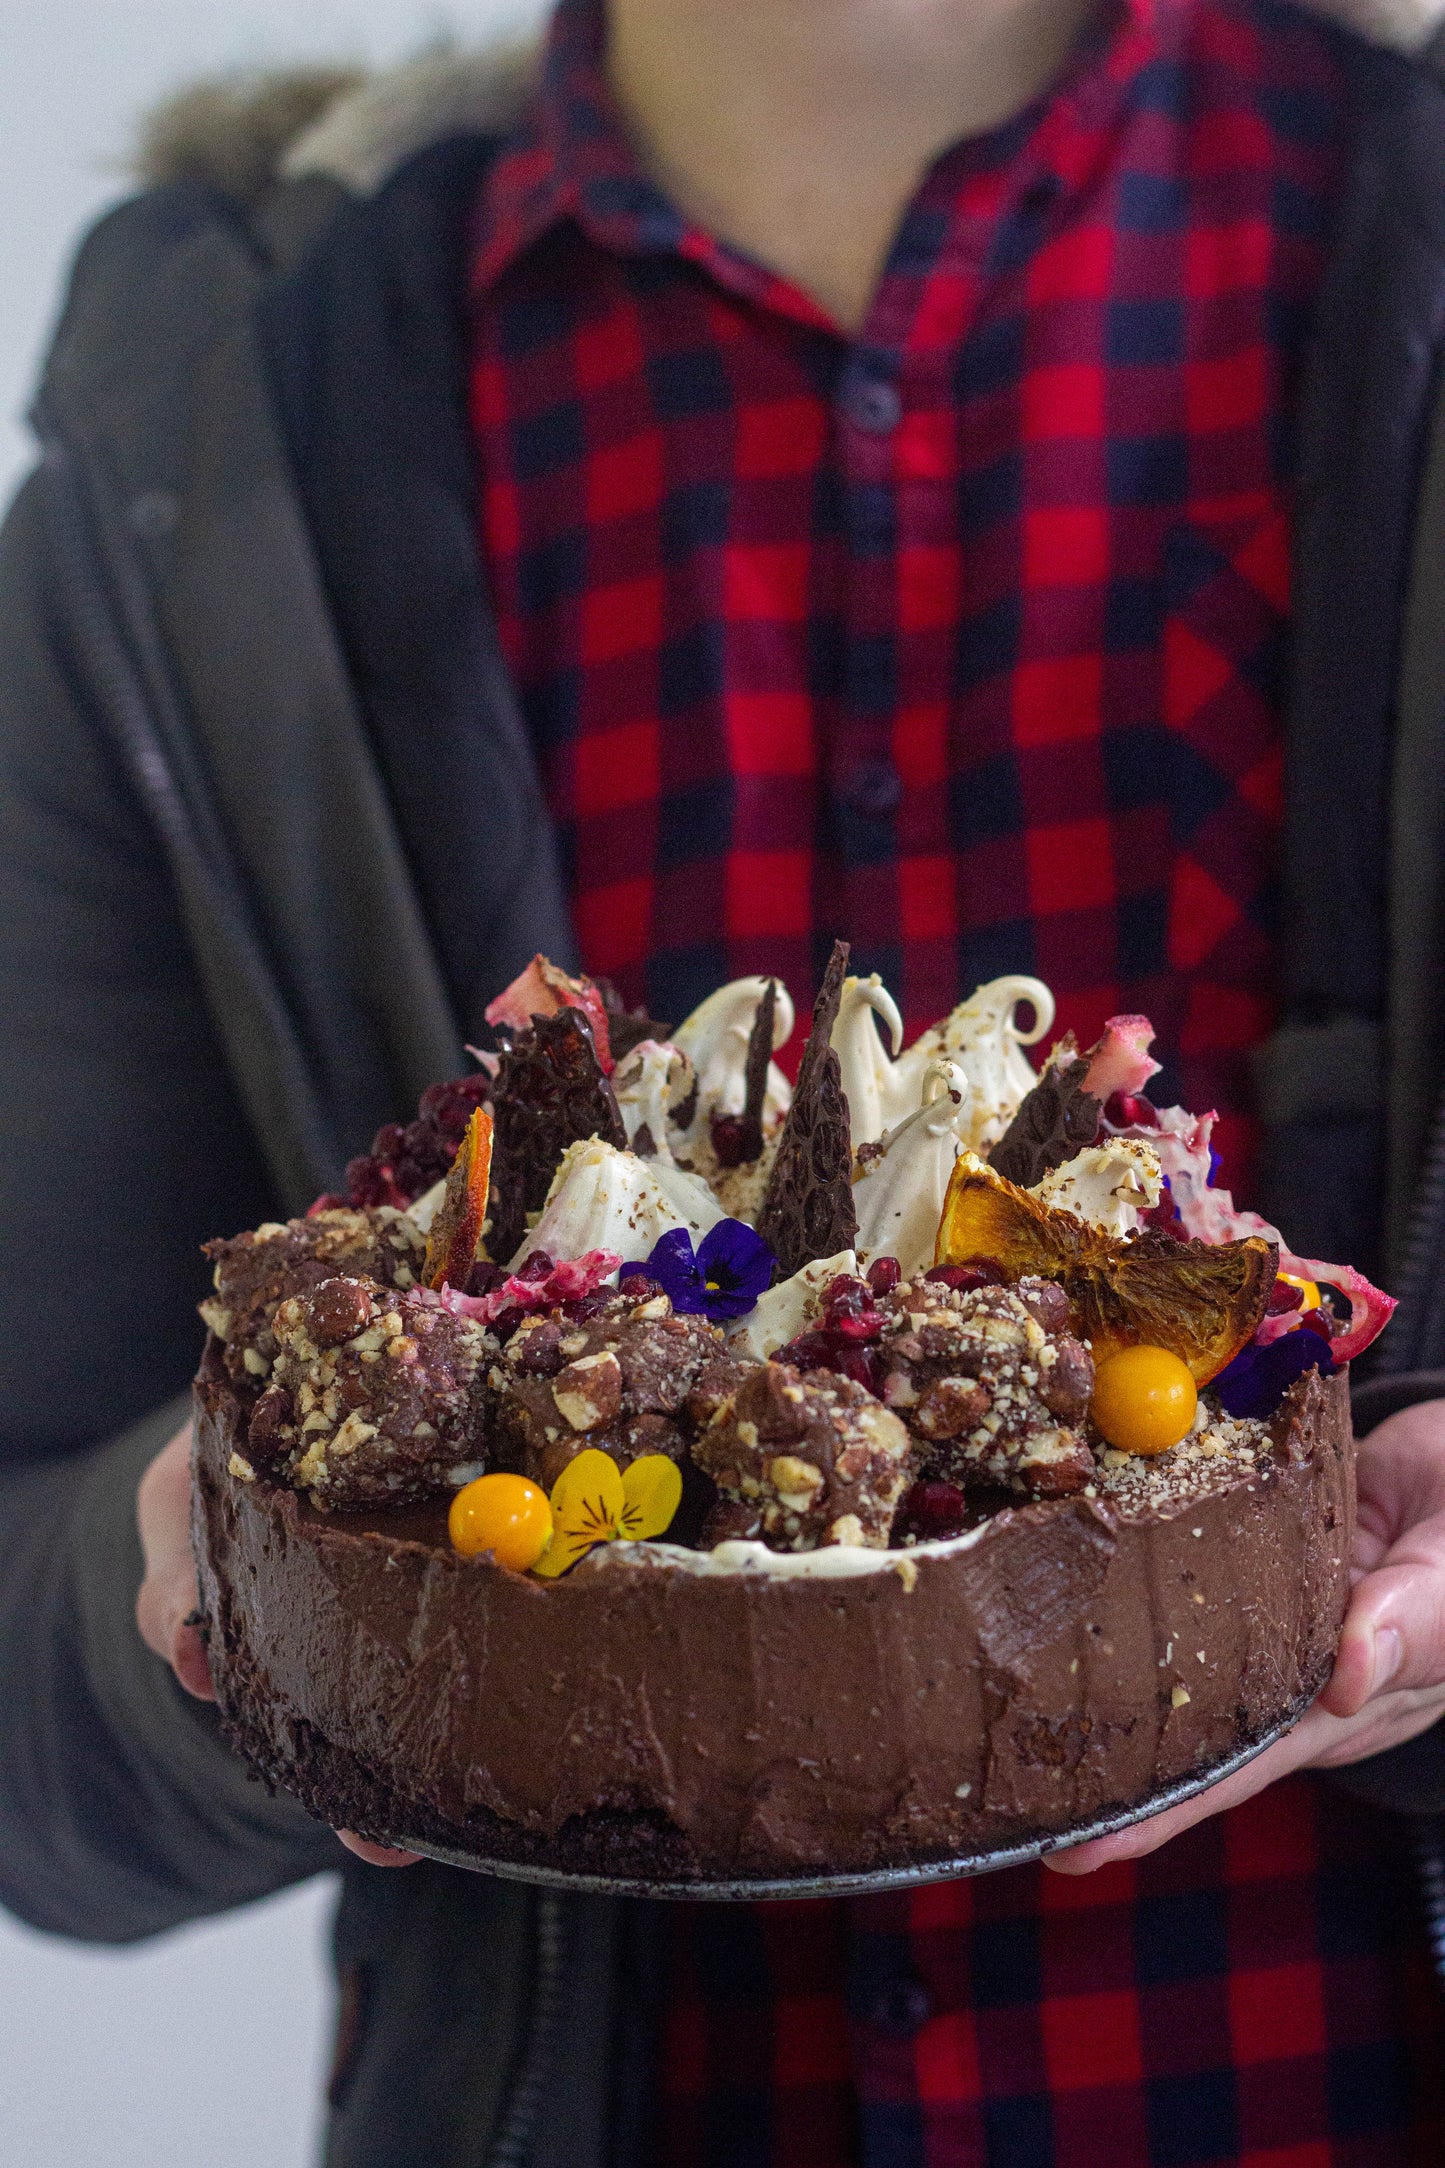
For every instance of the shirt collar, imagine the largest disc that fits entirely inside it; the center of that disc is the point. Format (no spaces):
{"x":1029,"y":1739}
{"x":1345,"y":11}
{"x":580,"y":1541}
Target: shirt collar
{"x":571,"y":158}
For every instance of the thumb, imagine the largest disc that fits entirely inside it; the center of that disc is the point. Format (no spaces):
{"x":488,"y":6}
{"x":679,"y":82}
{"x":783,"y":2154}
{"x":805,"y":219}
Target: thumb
{"x":165,"y":1608}
{"x":1394,"y":1636}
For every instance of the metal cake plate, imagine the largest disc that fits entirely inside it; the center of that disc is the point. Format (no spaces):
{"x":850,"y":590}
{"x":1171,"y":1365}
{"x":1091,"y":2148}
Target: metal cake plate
{"x":744,"y":1890}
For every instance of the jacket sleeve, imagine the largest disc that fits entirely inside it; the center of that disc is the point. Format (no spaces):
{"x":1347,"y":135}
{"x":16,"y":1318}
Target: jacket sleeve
{"x":121,"y":1811}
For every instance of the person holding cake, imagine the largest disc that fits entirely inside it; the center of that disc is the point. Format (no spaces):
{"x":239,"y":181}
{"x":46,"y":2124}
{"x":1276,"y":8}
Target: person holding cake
{"x":956,"y":477}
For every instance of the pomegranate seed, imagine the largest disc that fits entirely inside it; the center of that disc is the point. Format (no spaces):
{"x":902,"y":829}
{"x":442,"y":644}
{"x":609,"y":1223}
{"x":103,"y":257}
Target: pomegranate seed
{"x":844,"y":1288}
{"x":580,"y":1307}
{"x":539,"y":1266}
{"x":1283,"y":1297}
{"x":1164,"y":1218}
{"x":934,"y":1510}
{"x":857,"y":1324}
{"x":729,"y":1137}
{"x":884,"y":1274}
{"x":983,"y":1272}
{"x":856,"y":1363}
{"x":810,"y":1351}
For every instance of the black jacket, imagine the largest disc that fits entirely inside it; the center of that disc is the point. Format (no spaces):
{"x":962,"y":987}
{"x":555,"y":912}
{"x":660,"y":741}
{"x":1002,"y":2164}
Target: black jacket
{"x":250,"y":705}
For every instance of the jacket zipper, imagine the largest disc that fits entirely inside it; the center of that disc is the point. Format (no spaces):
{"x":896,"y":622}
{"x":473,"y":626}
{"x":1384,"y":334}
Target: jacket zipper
{"x":1400,"y":1350}
{"x":516,"y":2129}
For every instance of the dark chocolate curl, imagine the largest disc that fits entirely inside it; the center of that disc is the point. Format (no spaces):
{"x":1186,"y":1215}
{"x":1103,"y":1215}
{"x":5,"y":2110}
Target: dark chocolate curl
{"x":808,"y":1209}
{"x":549,"y":1092}
{"x":1054,"y":1121}
{"x":755,"y":1072}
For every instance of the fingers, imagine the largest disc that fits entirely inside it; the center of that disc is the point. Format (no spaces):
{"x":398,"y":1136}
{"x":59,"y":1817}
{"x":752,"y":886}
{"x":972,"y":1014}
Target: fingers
{"x":376,"y":1855}
{"x":166,"y":1604}
{"x":1282,"y":1759}
{"x":1401,"y":1472}
{"x":1394,"y":1635}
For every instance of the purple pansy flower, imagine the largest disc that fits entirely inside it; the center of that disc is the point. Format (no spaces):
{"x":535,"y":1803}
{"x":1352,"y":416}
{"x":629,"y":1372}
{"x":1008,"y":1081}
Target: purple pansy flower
{"x":724,"y":1277}
{"x":1259,"y":1377}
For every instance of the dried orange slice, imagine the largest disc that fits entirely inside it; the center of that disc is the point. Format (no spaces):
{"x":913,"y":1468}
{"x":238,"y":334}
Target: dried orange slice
{"x":456,"y":1228}
{"x":1201,"y":1301}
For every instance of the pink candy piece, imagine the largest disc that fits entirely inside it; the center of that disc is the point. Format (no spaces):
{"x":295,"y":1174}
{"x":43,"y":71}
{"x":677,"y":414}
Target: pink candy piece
{"x":541,"y":990}
{"x":1120,"y":1061}
{"x":574,"y":1276}
{"x":1208,"y":1214}
{"x":1370,"y":1308}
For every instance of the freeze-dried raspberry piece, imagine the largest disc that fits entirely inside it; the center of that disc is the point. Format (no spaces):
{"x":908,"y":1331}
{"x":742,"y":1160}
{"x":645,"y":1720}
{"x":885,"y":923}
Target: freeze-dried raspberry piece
{"x":407,"y":1159}
{"x":254,"y":1272}
{"x":815,"y":1458}
{"x":375,"y":1396}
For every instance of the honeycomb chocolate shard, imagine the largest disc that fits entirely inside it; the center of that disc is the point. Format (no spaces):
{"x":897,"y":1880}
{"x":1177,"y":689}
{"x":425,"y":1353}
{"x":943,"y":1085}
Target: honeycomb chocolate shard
{"x":807,"y":1211}
{"x":550,"y":1092}
{"x":1057,"y":1119}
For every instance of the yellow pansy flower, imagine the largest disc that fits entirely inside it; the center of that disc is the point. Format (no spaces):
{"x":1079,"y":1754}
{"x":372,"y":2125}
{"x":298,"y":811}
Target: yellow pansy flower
{"x":594,"y":1501}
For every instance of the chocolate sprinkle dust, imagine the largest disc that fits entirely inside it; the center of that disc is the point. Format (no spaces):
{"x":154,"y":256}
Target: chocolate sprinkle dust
{"x":549,"y":1092}
{"x":1054,"y":1121}
{"x":808,"y":1209}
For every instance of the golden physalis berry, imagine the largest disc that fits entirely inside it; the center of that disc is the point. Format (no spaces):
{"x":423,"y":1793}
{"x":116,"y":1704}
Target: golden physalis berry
{"x":1144,"y":1399}
{"x":594,"y":1501}
{"x":503,"y":1514}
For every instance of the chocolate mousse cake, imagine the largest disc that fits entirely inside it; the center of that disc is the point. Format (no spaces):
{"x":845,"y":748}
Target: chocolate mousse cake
{"x":664,"y":1550}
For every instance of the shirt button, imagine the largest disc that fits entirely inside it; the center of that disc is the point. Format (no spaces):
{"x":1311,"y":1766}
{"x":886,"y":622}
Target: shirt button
{"x":872,"y":405}
{"x":902,"y":2008}
{"x":875,"y":788}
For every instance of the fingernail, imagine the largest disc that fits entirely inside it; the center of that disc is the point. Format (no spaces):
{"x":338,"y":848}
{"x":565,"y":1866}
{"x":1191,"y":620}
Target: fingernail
{"x":1389,"y":1655}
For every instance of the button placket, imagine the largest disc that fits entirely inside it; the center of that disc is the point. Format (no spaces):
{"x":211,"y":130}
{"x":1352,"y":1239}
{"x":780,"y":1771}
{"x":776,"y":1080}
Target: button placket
{"x":866,"y":786}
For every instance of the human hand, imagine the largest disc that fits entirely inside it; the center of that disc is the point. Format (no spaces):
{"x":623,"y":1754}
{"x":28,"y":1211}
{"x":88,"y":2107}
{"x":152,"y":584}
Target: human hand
{"x":1389,"y":1677}
{"x":166,"y":1606}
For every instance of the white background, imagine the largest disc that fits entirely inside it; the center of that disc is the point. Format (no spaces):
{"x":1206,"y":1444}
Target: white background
{"x":204,"y":2050}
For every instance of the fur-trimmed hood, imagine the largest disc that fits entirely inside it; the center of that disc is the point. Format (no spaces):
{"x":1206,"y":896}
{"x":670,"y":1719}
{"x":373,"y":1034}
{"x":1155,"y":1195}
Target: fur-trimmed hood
{"x":246,"y":133}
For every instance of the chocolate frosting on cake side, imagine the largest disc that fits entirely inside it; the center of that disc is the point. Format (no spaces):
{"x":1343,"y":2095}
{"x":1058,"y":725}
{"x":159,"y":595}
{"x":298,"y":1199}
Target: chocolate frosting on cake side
{"x":645,"y":1718}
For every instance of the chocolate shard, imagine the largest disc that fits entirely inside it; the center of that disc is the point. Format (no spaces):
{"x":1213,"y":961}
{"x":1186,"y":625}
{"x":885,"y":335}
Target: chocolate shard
{"x":755,"y":1073}
{"x":808,"y":1208}
{"x":627,"y":1028}
{"x":1054,"y":1121}
{"x":549,"y":1092}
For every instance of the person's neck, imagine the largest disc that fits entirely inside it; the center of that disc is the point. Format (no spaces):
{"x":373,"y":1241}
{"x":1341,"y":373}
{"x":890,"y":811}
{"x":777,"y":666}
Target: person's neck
{"x":798,"y":130}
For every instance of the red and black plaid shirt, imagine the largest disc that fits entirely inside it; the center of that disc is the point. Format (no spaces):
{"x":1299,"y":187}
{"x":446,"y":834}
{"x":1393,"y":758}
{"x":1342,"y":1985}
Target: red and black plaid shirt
{"x":961,"y":638}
